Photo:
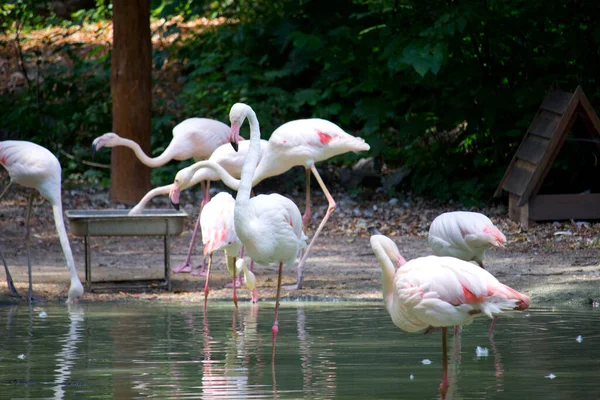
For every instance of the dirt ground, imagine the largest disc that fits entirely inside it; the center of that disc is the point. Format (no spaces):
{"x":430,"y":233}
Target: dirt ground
{"x":554,"y":263}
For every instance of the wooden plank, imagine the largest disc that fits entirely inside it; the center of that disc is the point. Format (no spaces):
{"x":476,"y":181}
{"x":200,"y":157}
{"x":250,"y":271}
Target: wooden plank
{"x":544,"y":124}
{"x":533,"y":149}
{"x":519,"y":177}
{"x":516,"y":213}
{"x":557,"y":101}
{"x":556,"y":142}
{"x":564,"y":206}
{"x":587,"y":107}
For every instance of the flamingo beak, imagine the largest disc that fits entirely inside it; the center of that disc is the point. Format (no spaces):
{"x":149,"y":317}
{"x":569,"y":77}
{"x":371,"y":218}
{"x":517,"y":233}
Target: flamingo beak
{"x":234,"y":138}
{"x":174,"y":196}
{"x":96,"y":145}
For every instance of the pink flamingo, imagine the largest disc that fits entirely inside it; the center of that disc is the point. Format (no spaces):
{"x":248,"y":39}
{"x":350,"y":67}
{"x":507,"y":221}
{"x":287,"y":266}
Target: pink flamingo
{"x":430,"y":292}
{"x":218,"y":233}
{"x":465,"y":235}
{"x":300,"y":142}
{"x":225,"y":156}
{"x":269,"y":226}
{"x":195,"y":138}
{"x":33,"y":166}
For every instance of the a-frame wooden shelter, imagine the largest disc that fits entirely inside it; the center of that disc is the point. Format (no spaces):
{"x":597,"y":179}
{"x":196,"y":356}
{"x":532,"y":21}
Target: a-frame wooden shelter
{"x":536,"y":154}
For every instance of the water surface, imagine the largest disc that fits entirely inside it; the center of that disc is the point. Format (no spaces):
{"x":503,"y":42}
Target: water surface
{"x":324,"y":351}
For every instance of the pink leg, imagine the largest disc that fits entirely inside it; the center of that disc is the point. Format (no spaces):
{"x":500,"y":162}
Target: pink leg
{"x":206,"y":283}
{"x":491,"y":330}
{"x":187,"y":266}
{"x":444,"y":385}
{"x":238,"y":281}
{"x":234,"y":284}
{"x":330,"y":209}
{"x":307,"y":213}
{"x":275,"y":327}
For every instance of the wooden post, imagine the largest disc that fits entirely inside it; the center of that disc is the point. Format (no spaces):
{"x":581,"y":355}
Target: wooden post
{"x":516,"y":213}
{"x":131,"y":68}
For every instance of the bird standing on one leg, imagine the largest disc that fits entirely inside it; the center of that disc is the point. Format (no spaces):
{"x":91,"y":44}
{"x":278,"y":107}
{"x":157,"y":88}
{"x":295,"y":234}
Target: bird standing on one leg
{"x":33,"y":166}
{"x":439,"y":292}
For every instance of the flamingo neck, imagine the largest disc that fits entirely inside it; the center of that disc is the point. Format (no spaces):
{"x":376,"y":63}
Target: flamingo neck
{"x":64,"y":241}
{"x":159,"y":161}
{"x":225,"y":176}
{"x":387,"y":275}
{"x":251,"y":160}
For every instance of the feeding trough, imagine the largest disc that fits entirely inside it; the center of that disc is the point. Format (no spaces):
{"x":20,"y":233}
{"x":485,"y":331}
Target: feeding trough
{"x":88,"y":223}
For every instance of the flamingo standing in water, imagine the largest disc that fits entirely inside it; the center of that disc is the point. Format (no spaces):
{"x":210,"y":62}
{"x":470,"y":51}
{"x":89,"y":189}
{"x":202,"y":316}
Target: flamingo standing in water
{"x":269,"y":226}
{"x":300,"y":142}
{"x":465,"y":235}
{"x":225,"y":156}
{"x":430,"y":292}
{"x":195,"y":138}
{"x":33,"y":166}
{"x":218,"y":232}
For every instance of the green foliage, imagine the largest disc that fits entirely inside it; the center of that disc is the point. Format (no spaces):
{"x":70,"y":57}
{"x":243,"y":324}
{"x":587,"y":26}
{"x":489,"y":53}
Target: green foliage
{"x":446,"y":88}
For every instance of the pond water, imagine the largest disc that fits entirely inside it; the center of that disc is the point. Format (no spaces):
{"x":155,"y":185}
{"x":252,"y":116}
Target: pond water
{"x":324,"y":351}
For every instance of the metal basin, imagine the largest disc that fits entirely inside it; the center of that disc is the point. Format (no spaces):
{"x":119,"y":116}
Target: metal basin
{"x":152,"y":222}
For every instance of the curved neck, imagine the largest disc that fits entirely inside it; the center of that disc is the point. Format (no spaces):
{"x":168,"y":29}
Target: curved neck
{"x":139,"y":207}
{"x":150,"y":162}
{"x":225,"y":176}
{"x":64,"y":239}
{"x":387,"y":274}
{"x":251,"y":160}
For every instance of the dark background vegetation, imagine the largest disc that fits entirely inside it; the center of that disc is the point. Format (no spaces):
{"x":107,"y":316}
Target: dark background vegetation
{"x":445,"y":88}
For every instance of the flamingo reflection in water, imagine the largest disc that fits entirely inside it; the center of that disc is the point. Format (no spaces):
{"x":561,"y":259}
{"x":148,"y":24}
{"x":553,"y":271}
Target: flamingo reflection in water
{"x":228,"y":377}
{"x":68,"y":352}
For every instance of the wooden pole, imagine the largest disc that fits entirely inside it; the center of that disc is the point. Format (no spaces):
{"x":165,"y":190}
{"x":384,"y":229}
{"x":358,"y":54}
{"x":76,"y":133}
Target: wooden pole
{"x":131,"y":69}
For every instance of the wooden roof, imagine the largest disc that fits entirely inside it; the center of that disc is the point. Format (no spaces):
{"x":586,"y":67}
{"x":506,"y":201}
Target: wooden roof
{"x":544,"y":139}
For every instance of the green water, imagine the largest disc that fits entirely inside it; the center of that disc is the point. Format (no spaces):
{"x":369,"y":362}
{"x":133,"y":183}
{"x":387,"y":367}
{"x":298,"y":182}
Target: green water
{"x":324,"y":351}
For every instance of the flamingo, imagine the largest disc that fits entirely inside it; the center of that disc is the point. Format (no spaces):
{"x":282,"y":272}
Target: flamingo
{"x":218,"y":232}
{"x":430,"y":292}
{"x":249,"y":278}
{"x":269,"y":226}
{"x":465,"y":235}
{"x":225,"y":156}
{"x":195,"y":138}
{"x":34,"y":166}
{"x":299,"y":142}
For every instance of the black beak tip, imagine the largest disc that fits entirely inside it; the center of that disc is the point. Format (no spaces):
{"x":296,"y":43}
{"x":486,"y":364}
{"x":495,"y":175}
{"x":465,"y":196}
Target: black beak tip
{"x":373,"y":230}
{"x":94,"y":149}
{"x":235,"y":146}
{"x":175,"y":206}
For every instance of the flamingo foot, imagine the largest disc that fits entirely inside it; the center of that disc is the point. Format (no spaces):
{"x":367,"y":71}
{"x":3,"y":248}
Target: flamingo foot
{"x":254,"y":295}
{"x":199,"y":272}
{"x":34,"y":299}
{"x":290,"y":287}
{"x":183,"y":268}
{"x":238,"y":282}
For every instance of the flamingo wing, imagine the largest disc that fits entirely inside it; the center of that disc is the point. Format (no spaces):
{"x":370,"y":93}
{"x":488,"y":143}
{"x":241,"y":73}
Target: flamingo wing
{"x":216,"y":223}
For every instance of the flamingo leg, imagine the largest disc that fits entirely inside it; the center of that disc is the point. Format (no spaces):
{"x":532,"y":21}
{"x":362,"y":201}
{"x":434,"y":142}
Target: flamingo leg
{"x":444,"y":385}
{"x":30,"y":297}
{"x":187,"y":266}
{"x":492,"y":325}
{"x":307,"y":213}
{"x":330,"y":209}
{"x":275,"y":327}
{"x":12,"y":291}
{"x":238,"y":281}
{"x":235,"y":299}
{"x":5,"y":189}
{"x":206,"y":283}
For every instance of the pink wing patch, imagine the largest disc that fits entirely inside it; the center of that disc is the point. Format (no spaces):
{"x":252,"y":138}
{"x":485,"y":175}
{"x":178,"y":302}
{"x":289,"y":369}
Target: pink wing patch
{"x":3,"y":160}
{"x":324,"y":138}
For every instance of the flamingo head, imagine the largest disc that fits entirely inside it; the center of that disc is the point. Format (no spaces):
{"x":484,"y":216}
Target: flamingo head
{"x":495,"y":236}
{"x":249,"y":277}
{"x":109,"y":139}
{"x":389,"y":247}
{"x":181,"y":182}
{"x":75,"y":291}
{"x":237,"y":115}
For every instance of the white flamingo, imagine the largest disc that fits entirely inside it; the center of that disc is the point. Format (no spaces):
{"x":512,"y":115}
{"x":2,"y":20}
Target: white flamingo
{"x":33,"y":166}
{"x":269,"y":226}
{"x":465,"y":235}
{"x":225,"y":156}
{"x":430,"y":292}
{"x":300,"y":142}
{"x":195,"y":138}
{"x":218,"y":233}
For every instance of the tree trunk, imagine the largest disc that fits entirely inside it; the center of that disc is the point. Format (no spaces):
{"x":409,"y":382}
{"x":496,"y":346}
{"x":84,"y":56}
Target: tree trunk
{"x":131,"y":69}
